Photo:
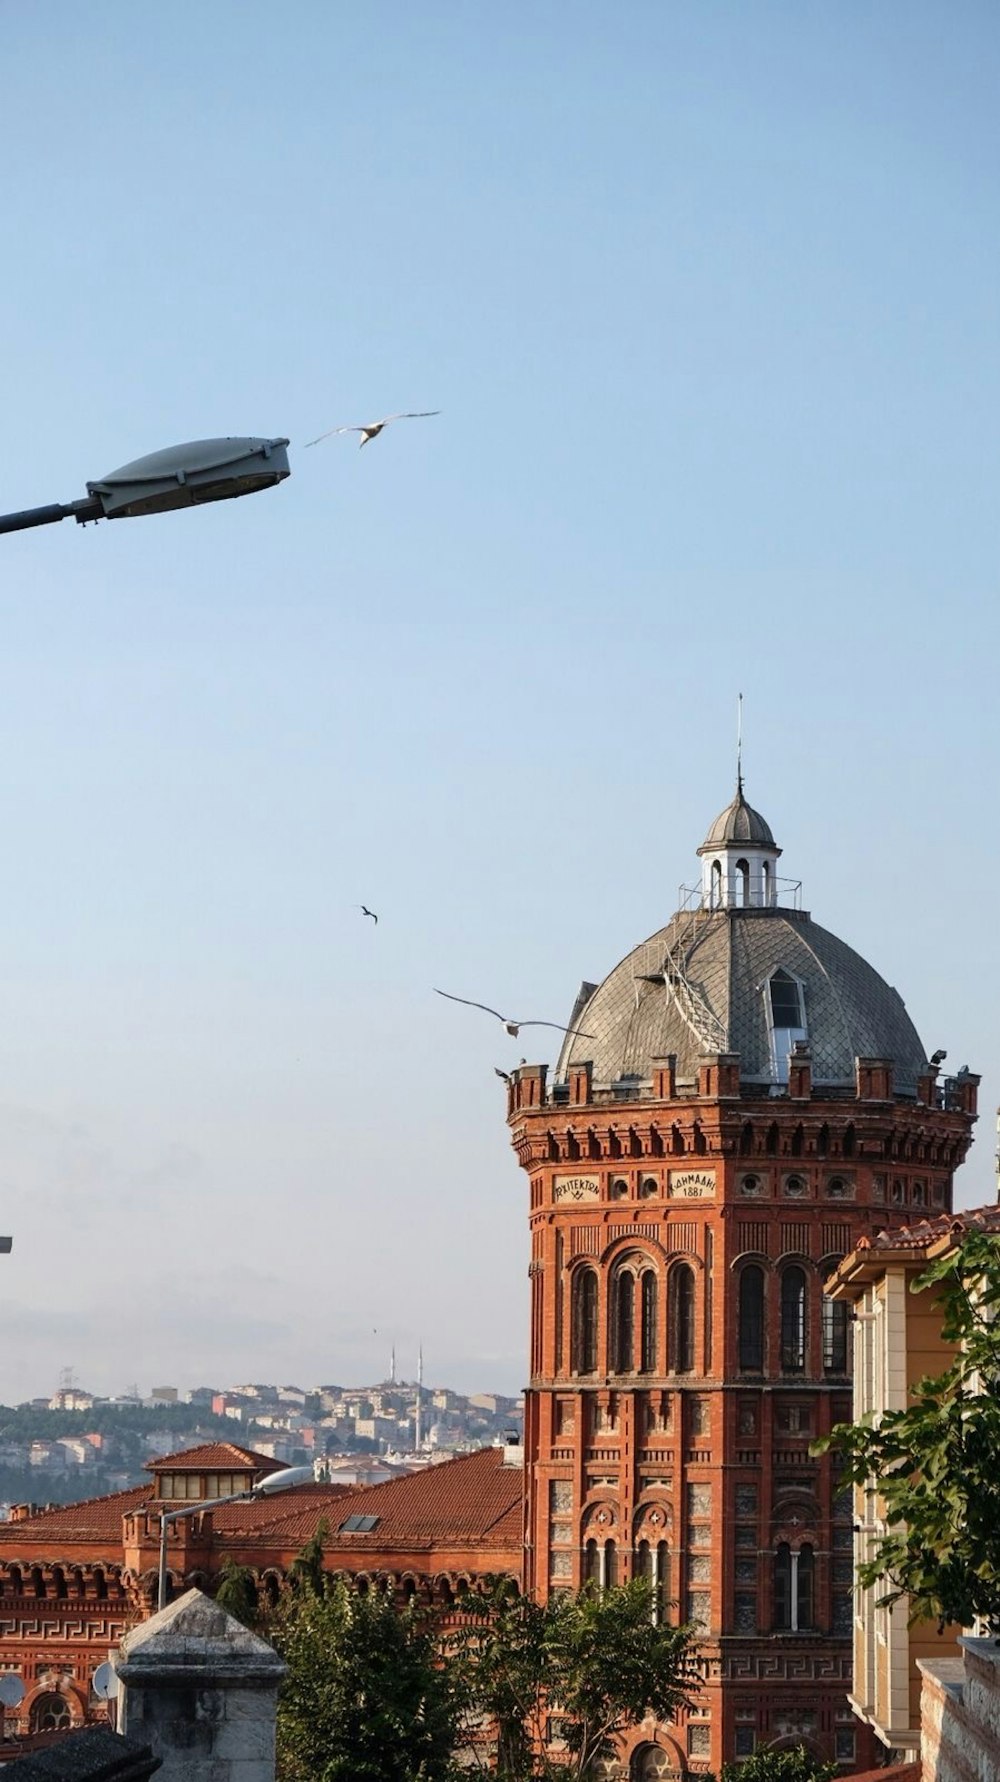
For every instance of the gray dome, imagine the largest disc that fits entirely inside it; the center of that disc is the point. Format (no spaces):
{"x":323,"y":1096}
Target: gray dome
{"x":739,"y":822}
{"x":728,"y":956}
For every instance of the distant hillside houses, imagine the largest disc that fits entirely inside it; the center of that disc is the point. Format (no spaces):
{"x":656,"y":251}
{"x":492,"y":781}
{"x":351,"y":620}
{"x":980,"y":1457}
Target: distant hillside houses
{"x":359,"y":1435}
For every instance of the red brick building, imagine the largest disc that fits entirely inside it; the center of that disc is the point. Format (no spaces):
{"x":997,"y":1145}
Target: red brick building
{"x":74,"y":1577}
{"x":739,"y":1102}
{"x":743,"y":1099}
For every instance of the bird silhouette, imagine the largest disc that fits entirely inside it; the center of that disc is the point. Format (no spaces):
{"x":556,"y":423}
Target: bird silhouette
{"x":512,"y":1027}
{"x":365,"y":911}
{"x":372,"y":429}
{"x":505,"y":1074}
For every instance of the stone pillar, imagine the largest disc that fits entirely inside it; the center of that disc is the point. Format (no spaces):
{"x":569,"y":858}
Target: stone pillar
{"x":201,"y":1689}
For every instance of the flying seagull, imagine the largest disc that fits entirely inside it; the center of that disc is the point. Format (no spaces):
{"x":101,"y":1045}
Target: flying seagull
{"x":513,"y":1027}
{"x":365,"y":911}
{"x":505,"y":1074}
{"x":374,"y":428}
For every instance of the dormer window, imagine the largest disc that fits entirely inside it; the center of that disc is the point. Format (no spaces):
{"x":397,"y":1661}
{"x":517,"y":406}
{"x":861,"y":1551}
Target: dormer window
{"x":786,"y":1001}
{"x":786,"y":1018}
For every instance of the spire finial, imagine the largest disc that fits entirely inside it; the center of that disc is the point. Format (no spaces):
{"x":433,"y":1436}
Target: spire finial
{"x":739,"y":745}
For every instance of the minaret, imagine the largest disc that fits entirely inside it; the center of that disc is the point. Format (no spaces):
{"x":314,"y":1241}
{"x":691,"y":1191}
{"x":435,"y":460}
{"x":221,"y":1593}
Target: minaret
{"x":417,"y":1430}
{"x":392,"y":1365}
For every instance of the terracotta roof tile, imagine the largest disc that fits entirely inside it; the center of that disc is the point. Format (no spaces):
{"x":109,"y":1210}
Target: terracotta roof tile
{"x":97,"y":1519}
{"x":224,"y":1457}
{"x":473,"y":1500}
{"x":925,"y":1232}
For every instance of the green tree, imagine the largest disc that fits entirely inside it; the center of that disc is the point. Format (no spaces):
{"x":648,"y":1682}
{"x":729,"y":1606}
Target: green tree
{"x":779,"y":1766}
{"x":237,"y":1592}
{"x":934,"y":1464}
{"x":366,"y":1697}
{"x":595,"y":1664}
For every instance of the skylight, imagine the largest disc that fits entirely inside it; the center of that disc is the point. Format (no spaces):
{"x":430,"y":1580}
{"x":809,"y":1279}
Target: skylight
{"x":358,"y":1525}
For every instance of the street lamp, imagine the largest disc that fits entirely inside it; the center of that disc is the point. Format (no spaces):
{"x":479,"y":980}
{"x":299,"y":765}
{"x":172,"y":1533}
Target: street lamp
{"x":283,"y":1481}
{"x":180,"y":476}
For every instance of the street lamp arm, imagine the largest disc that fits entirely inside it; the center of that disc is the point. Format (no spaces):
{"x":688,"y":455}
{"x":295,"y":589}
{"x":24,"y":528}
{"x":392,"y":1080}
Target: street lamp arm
{"x":47,"y":516}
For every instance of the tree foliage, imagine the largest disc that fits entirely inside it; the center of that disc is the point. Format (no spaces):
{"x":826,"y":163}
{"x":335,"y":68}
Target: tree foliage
{"x":237,"y":1592}
{"x":779,"y":1766}
{"x":934,"y":1465}
{"x":595,"y":1664}
{"x":365,"y":1697}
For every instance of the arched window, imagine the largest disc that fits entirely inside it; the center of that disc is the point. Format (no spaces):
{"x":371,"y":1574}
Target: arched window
{"x":591,"y":1563}
{"x":752,"y":1318}
{"x":681,"y":1310}
{"x":37,"y":1582}
{"x":765,"y":881}
{"x":622,"y":1321}
{"x":793,"y":1321}
{"x":743,"y":882}
{"x":49,"y":1713}
{"x":716,"y":892}
{"x":584,"y":1322}
{"x":746,"y":1139}
{"x":647,"y":1359}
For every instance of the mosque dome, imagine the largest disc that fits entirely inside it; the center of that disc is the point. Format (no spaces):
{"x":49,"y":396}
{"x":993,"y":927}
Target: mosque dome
{"x":741,"y":969}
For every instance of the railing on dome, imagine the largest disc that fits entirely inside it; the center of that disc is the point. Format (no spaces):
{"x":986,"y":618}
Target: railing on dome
{"x":669,"y":965}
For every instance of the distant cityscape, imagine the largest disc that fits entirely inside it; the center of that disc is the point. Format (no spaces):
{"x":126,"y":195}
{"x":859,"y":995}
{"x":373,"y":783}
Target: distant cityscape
{"x":75,"y":1444}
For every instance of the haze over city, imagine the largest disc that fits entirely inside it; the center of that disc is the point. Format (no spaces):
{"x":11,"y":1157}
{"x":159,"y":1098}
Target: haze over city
{"x":707,"y":299}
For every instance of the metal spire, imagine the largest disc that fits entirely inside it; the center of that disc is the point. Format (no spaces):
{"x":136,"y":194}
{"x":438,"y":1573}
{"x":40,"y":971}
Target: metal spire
{"x":739,"y":745}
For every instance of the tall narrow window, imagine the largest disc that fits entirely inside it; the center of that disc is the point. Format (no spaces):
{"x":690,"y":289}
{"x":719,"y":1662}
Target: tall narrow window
{"x":783,"y":1588}
{"x":743,"y":882}
{"x":804,"y":1613}
{"x":584,"y":1334}
{"x":793,"y":1321}
{"x":591,"y":1563}
{"x":623,"y":1318}
{"x":765,"y":881}
{"x":835,"y":1336}
{"x":681,"y":1319}
{"x":716,"y":884}
{"x":787,"y":1019}
{"x":647,"y":1360}
{"x":752,"y":1318}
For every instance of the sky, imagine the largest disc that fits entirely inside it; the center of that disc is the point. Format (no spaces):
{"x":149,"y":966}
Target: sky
{"x":708,"y":295}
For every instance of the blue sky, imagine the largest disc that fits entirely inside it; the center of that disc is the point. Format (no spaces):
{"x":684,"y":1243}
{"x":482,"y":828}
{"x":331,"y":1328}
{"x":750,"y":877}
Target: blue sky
{"x":708,"y":295}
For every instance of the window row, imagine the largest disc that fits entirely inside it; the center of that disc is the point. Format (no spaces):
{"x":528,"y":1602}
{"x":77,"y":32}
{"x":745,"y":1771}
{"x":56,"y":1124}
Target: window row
{"x":793,"y":1587}
{"x":793,"y":1309}
{"x":633,"y":1333}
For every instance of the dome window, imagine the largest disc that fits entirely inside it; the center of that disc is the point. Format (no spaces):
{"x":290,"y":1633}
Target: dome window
{"x":786,"y":1018}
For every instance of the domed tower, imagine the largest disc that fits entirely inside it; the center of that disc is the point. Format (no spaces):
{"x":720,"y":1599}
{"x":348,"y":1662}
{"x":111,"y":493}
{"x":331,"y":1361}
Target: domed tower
{"x":739,"y":1102}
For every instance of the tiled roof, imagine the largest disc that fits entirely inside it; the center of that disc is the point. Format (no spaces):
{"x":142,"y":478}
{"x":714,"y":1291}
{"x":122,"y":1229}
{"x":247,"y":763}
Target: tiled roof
{"x":926,"y":1232}
{"x":851,"y":1011}
{"x":97,"y":1519}
{"x":217,"y":1457}
{"x":471,"y":1500}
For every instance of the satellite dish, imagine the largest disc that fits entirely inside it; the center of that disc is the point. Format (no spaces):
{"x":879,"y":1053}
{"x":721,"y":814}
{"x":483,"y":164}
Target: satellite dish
{"x":105,"y":1682}
{"x":11,"y":1689}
